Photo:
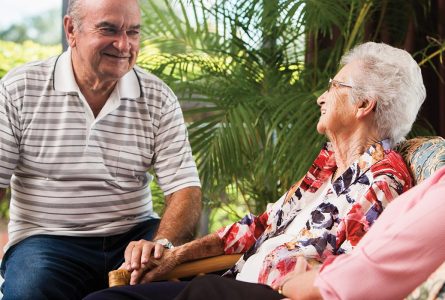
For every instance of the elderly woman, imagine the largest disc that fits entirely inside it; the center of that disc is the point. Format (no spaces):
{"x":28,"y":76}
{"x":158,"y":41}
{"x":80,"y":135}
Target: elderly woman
{"x":369,"y":106}
{"x":405,"y":243}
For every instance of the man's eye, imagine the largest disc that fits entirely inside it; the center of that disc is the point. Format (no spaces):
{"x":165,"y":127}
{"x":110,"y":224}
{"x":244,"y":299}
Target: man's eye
{"x":133,"y":32}
{"x":108,"y":31}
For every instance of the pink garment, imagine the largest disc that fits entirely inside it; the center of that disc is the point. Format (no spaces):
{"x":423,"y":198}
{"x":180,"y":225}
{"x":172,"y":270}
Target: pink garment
{"x":405,"y":245}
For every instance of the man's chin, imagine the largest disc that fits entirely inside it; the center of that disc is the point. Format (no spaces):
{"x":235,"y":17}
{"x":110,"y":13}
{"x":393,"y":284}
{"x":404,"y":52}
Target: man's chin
{"x":116,"y":73}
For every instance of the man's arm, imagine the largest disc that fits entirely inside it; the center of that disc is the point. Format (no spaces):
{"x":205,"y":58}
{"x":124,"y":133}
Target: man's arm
{"x":181,"y":215}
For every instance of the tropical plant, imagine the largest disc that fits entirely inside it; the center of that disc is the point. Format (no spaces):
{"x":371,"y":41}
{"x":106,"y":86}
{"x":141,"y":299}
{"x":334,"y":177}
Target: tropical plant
{"x":249,"y":72}
{"x":14,"y":54}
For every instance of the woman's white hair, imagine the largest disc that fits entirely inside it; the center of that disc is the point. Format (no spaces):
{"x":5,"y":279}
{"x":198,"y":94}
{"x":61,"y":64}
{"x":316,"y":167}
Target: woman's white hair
{"x":393,"y":79}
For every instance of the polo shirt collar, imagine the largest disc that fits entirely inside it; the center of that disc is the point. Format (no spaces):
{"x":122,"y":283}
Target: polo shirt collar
{"x":64,"y":81}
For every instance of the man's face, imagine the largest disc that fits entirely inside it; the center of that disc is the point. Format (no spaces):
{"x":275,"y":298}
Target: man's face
{"x":106,"y":44}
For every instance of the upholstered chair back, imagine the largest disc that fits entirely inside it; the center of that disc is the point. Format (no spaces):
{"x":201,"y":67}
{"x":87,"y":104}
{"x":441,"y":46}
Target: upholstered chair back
{"x":424,"y":155}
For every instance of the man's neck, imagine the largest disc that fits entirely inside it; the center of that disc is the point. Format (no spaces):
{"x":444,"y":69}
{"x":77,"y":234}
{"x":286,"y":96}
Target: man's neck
{"x":95,"y":91}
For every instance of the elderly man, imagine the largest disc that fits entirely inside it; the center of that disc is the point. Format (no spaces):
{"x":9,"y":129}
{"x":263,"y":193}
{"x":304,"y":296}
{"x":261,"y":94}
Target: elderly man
{"x":78,"y":134}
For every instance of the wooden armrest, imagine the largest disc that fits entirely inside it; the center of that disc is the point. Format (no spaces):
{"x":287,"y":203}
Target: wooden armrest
{"x":188,"y":269}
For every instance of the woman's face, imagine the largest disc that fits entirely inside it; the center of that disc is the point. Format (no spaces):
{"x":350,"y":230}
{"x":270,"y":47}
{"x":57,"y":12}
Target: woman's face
{"x":337,"y":111}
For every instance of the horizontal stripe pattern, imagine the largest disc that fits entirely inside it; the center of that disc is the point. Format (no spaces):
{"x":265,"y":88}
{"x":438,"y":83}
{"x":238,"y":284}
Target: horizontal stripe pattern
{"x":68,"y":179}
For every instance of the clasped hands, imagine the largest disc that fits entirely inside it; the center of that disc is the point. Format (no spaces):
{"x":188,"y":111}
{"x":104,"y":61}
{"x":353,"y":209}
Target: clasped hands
{"x":147,"y":260}
{"x":301,"y":278}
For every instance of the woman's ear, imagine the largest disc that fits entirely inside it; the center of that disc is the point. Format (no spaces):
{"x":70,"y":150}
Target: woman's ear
{"x":366,"y":107}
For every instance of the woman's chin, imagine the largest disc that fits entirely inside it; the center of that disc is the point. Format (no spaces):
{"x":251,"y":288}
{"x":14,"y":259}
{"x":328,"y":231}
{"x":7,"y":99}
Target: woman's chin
{"x":321,"y":129}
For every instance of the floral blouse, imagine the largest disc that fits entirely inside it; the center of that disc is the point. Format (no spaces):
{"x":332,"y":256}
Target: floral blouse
{"x":349,"y":207}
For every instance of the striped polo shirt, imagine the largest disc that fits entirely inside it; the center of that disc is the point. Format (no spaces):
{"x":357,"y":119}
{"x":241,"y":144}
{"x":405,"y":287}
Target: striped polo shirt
{"x":76,"y":175}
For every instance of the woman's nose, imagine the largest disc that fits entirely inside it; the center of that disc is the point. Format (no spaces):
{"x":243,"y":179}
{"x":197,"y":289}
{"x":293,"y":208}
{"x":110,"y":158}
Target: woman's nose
{"x":322,"y":99}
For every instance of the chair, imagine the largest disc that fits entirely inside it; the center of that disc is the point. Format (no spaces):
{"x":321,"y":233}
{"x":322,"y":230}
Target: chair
{"x":423,"y":156}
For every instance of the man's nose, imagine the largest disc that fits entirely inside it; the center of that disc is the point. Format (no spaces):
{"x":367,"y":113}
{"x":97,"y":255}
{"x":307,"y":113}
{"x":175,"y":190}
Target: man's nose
{"x":122,"y":43}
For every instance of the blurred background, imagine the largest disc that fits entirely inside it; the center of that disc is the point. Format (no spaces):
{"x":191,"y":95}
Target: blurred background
{"x":247,"y":74}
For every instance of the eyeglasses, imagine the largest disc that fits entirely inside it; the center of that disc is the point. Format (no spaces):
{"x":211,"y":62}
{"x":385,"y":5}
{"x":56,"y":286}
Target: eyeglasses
{"x":337,"y":84}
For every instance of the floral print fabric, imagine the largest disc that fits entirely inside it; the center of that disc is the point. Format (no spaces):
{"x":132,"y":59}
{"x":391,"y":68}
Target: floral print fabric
{"x":349,"y":207}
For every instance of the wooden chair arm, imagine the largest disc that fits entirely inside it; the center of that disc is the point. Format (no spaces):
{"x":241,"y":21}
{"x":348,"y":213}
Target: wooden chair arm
{"x":188,"y":269}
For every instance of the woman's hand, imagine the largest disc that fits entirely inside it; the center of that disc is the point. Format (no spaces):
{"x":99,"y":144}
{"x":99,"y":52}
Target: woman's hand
{"x":301,"y":266}
{"x":155,"y":268}
{"x":299,"y":284}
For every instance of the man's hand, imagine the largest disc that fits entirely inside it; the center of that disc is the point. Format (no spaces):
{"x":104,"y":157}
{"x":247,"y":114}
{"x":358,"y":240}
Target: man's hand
{"x":139,"y":252}
{"x":147,"y":260}
{"x":142,"y":256}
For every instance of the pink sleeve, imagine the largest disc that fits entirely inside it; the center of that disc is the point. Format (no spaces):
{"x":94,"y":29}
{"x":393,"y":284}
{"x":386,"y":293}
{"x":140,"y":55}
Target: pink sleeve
{"x":401,"y":250}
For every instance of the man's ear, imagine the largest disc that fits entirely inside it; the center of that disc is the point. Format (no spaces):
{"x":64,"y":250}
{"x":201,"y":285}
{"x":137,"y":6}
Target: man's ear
{"x":365,"y":107}
{"x":68,"y":26}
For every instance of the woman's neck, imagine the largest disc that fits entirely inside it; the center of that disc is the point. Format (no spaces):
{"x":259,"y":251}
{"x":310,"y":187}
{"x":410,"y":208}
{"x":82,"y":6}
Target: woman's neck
{"x":349,"y":148}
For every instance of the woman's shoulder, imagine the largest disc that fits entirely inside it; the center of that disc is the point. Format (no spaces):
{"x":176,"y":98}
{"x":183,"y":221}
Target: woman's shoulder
{"x":392,"y":165}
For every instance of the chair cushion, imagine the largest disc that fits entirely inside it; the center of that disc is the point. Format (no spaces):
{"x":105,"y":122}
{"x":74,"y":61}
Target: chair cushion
{"x":423,"y":155}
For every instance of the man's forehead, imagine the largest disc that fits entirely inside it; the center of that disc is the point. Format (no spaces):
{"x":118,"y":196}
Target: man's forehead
{"x":111,"y":8}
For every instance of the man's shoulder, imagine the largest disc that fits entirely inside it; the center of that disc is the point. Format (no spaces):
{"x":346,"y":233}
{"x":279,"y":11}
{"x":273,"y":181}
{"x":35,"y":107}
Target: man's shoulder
{"x":40,"y":70}
{"x":147,"y":77}
{"x":150,"y":81}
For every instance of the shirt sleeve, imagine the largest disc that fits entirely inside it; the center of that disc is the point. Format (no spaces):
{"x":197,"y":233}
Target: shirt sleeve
{"x":240,"y":236}
{"x":400,"y":251}
{"x":389,"y":180}
{"x":9,"y":138}
{"x":174,"y":165}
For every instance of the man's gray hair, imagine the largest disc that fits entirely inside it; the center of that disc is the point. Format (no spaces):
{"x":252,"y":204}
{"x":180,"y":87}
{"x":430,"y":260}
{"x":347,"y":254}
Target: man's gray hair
{"x":392,"y":77}
{"x":74,"y":11}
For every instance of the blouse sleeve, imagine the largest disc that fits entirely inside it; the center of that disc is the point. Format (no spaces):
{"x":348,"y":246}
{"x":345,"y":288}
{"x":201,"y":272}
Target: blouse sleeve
{"x":240,"y":236}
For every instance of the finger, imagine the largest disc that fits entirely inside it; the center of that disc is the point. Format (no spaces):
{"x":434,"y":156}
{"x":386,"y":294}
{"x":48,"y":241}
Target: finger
{"x":146,"y":252}
{"x":127,"y":255}
{"x":151,"y":264}
{"x":301,"y":265}
{"x":150,"y":276}
{"x":159,"y":249}
{"x":137,"y":252}
{"x":136,"y":276}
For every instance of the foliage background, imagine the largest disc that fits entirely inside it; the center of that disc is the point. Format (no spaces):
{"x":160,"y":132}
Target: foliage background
{"x":248,"y":73}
